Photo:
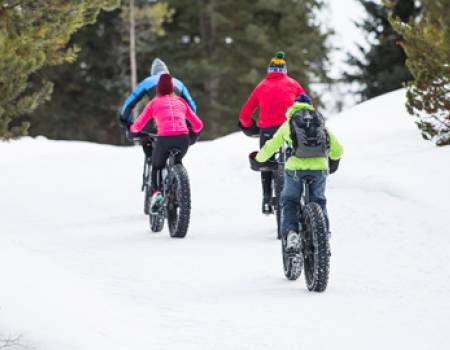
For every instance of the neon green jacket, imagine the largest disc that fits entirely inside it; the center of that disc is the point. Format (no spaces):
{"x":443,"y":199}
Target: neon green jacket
{"x":283,"y":135}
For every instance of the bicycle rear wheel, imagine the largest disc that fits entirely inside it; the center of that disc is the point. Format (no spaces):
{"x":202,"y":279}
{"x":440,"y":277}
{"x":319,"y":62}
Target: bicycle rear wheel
{"x":316,"y":248}
{"x":179,"y":202}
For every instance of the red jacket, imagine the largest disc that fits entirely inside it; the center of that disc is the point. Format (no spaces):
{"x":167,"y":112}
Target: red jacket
{"x":274,"y":95}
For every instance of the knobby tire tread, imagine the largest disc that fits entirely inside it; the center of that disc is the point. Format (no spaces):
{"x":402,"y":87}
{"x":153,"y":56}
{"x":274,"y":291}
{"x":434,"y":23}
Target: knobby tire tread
{"x":320,"y":266}
{"x":180,"y":228}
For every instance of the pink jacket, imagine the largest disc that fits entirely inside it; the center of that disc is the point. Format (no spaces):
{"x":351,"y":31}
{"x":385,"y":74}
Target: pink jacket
{"x":170,"y":113}
{"x":274,"y":95}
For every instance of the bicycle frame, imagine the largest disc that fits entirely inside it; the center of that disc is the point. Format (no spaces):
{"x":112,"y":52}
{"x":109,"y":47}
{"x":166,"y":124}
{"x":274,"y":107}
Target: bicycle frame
{"x":305,"y":198}
{"x":167,"y":171}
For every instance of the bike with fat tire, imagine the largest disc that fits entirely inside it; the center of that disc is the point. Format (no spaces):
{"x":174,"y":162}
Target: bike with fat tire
{"x":314,"y":256}
{"x":176,"y":192}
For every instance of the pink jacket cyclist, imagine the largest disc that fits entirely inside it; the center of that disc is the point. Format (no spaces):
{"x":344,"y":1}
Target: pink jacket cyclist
{"x":170,"y":113}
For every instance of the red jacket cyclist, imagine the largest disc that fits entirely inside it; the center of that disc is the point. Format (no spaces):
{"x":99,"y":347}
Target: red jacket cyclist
{"x":274,"y":95}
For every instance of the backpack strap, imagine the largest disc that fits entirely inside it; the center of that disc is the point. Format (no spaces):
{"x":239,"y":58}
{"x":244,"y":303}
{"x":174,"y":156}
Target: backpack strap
{"x":328,"y":140}
{"x":292,"y":134}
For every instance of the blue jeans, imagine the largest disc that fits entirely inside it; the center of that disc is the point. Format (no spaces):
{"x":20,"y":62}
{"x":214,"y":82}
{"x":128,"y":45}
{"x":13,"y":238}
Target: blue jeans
{"x":292,"y":191}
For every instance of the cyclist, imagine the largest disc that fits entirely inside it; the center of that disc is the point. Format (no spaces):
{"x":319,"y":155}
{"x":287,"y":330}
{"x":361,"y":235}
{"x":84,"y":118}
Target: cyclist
{"x":170,"y":113}
{"x":298,"y":167}
{"x":148,"y":88}
{"x":273,"y":95}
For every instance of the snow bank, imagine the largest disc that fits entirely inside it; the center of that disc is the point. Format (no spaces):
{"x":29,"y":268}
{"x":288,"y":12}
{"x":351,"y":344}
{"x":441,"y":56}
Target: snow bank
{"x":80,"y":269}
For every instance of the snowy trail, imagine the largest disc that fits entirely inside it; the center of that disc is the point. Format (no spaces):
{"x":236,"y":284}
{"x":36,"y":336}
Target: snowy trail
{"x":80,"y":269}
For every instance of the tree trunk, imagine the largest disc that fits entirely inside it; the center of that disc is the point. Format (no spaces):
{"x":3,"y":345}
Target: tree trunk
{"x":133,"y":66}
{"x":211,"y":85}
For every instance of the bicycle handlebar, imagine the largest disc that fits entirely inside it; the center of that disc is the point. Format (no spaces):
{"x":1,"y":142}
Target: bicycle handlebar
{"x":131,"y":136}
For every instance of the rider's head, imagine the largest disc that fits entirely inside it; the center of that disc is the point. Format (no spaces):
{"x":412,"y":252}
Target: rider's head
{"x":165,"y":84}
{"x":277,"y":64}
{"x":158,"y":67}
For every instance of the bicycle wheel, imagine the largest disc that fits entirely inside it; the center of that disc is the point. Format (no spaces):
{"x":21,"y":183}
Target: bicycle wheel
{"x":179,"y":202}
{"x":278,"y":186}
{"x":317,"y":248}
{"x":292,"y":264}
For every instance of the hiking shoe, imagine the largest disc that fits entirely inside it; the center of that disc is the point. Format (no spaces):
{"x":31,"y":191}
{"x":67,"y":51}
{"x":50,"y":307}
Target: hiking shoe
{"x":156,"y":203}
{"x":293,"y":242}
{"x":267,"y":207}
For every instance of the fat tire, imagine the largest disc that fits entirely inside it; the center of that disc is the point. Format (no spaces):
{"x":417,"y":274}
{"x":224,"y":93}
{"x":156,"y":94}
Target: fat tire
{"x":316,"y":248}
{"x":156,"y":222}
{"x":179,"y":223}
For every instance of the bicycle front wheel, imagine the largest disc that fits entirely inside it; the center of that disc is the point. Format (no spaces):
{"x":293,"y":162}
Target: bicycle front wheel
{"x":156,"y":222}
{"x":179,"y":202}
{"x":316,"y":248}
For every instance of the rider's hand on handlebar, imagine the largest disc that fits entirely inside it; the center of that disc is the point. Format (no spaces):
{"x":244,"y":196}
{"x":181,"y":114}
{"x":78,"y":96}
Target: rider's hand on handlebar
{"x":133,"y":135}
{"x":251,"y":131}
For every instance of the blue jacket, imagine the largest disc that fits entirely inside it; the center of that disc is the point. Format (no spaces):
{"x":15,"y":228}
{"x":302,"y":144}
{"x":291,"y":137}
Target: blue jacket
{"x":148,"y":87}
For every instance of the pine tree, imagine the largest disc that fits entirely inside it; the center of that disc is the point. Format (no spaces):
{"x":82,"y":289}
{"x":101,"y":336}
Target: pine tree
{"x":381,"y":68}
{"x":88,"y":93}
{"x":427,"y":45}
{"x":221,"y":49}
{"x":34,"y":34}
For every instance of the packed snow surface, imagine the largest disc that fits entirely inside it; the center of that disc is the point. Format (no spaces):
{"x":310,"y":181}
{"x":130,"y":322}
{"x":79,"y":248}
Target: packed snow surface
{"x":80,"y":268}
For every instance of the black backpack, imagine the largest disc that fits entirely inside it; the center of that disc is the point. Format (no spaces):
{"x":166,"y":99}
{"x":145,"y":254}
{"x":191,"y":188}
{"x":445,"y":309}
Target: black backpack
{"x":308,"y":134}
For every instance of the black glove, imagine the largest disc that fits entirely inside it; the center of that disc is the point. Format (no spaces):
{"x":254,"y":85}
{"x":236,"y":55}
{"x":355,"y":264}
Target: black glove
{"x":251,"y":131}
{"x":193,"y":136}
{"x":134,"y":136}
{"x":257,"y":166}
{"x":123,"y":122}
{"x":333,"y":165}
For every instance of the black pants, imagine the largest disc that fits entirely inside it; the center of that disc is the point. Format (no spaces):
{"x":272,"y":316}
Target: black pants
{"x":161,"y":151}
{"x":266,"y":134}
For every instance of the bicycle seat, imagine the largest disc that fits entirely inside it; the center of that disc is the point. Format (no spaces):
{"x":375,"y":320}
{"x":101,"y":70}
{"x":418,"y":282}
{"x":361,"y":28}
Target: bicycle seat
{"x":308,"y":179}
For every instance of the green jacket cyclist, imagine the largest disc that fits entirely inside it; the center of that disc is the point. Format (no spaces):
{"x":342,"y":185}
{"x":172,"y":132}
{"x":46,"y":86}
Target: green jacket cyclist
{"x":295,"y":169}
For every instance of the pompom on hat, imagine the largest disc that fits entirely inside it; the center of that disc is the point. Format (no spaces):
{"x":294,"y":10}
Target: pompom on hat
{"x":165,"y":84}
{"x":277,"y":64}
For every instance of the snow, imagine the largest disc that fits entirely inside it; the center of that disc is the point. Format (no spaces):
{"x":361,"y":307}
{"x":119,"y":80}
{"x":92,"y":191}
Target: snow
{"x":81,"y":270}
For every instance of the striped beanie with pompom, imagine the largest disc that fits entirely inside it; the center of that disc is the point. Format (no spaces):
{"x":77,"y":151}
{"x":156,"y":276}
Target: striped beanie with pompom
{"x":278,"y":63}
